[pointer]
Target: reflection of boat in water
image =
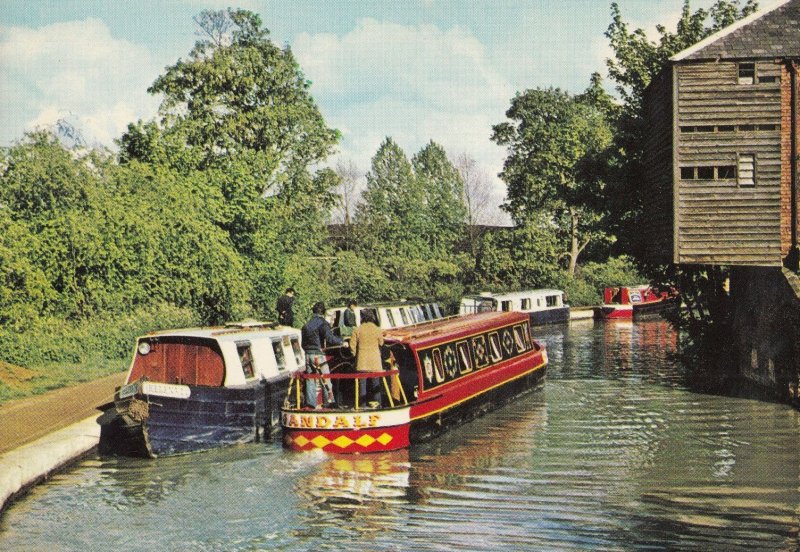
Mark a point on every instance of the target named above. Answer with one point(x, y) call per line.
point(201, 388)
point(357, 479)
point(443, 374)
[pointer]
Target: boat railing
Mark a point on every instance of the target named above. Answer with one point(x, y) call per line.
point(390, 380)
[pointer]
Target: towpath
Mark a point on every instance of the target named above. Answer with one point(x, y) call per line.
point(25, 420)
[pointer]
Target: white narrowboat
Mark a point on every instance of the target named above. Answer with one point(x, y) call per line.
point(544, 306)
point(388, 315)
point(201, 388)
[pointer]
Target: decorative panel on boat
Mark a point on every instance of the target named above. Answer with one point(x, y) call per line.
point(181, 360)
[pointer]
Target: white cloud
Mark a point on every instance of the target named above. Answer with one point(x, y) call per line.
point(73, 67)
point(413, 83)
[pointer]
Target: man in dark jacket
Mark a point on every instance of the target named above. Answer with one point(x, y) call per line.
point(316, 335)
point(284, 308)
point(349, 319)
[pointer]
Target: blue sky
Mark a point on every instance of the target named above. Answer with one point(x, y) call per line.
point(416, 71)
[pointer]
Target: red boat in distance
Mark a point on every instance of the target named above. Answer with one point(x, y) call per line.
point(635, 302)
point(436, 376)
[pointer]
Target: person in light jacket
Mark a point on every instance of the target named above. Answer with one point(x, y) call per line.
point(366, 344)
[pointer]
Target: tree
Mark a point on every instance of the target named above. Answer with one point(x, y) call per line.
point(555, 167)
point(477, 200)
point(347, 191)
point(237, 92)
point(444, 204)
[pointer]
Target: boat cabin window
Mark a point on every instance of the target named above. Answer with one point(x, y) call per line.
point(436, 312)
point(413, 313)
point(246, 358)
point(280, 357)
point(494, 347)
point(552, 300)
point(505, 306)
point(404, 316)
point(526, 304)
point(298, 351)
point(390, 318)
point(538, 301)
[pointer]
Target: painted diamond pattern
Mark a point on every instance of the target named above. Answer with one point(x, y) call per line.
point(365, 440)
point(343, 442)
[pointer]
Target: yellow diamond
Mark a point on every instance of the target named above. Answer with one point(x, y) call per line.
point(343, 442)
point(384, 439)
point(365, 440)
point(302, 441)
point(319, 441)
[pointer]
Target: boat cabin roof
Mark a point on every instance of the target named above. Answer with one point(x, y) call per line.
point(514, 294)
point(449, 329)
point(230, 332)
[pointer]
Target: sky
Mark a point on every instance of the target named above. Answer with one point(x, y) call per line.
point(441, 70)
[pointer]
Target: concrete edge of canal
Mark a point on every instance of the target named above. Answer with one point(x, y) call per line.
point(24, 467)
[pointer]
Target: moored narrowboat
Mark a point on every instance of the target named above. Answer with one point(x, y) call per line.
point(544, 306)
point(388, 315)
point(635, 302)
point(201, 388)
point(436, 376)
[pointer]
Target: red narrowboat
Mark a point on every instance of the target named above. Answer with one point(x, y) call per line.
point(635, 302)
point(437, 375)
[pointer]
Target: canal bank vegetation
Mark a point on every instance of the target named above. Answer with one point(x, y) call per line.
point(208, 212)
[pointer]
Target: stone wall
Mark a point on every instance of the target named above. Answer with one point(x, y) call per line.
point(765, 305)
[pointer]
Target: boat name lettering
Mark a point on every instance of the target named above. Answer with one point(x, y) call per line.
point(166, 390)
point(326, 421)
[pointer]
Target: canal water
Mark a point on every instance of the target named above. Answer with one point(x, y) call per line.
point(615, 453)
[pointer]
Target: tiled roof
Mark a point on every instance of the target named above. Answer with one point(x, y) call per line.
point(769, 33)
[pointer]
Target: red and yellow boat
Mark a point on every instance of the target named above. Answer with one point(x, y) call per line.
point(439, 375)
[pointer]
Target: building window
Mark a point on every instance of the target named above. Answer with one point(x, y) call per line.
point(705, 173)
point(747, 169)
point(767, 79)
point(747, 73)
point(726, 172)
point(719, 172)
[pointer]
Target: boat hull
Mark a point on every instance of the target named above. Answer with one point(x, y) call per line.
point(160, 419)
point(637, 311)
point(550, 316)
point(387, 429)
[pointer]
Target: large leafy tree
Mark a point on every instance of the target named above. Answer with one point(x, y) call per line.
point(237, 91)
point(238, 115)
point(444, 203)
point(557, 145)
point(409, 220)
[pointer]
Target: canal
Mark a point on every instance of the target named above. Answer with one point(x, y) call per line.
point(616, 453)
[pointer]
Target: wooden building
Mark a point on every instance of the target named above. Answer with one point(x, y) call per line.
point(721, 150)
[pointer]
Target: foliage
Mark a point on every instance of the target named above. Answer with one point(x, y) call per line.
point(411, 218)
point(586, 287)
point(557, 146)
point(523, 257)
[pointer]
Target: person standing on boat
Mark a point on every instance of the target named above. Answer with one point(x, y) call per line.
point(366, 344)
point(349, 319)
point(315, 335)
point(284, 308)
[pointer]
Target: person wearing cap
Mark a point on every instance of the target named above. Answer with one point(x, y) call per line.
point(284, 308)
point(315, 335)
